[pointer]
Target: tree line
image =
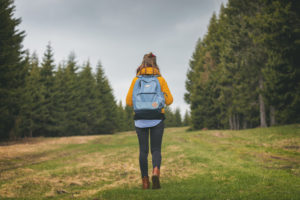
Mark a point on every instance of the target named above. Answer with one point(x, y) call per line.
point(62, 100)
point(40, 98)
point(245, 71)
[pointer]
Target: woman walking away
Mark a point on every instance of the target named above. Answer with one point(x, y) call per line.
point(148, 94)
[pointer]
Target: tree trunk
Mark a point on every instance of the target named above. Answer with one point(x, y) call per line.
point(262, 109)
point(230, 122)
point(237, 122)
point(233, 122)
point(244, 124)
point(12, 135)
point(272, 116)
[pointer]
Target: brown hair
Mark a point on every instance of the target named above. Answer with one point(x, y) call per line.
point(149, 60)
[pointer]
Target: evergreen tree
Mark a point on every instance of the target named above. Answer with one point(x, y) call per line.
point(59, 101)
point(177, 116)
point(26, 65)
point(191, 74)
point(47, 69)
point(109, 104)
point(86, 121)
point(281, 82)
point(170, 120)
point(37, 100)
point(186, 119)
point(47, 80)
point(129, 118)
point(246, 66)
point(239, 82)
point(33, 97)
point(71, 103)
point(12, 72)
point(121, 118)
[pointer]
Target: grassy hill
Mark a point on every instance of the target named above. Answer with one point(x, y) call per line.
point(262, 163)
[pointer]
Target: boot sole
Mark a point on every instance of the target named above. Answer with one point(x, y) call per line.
point(155, 182)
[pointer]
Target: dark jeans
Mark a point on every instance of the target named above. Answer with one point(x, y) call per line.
point(156, 134)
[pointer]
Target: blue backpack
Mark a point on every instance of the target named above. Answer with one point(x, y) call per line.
point(147, 94)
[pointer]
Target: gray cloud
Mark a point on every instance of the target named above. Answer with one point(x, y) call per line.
point(119, 33)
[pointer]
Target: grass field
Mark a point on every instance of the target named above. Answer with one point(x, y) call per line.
point(261, 163)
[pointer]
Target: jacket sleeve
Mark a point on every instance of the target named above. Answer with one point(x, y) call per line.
point(166, 91)
point(130, 91)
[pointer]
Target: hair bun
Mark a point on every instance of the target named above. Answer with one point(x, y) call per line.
point(151, 54)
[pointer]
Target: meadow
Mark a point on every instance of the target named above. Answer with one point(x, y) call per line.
point(260, 163)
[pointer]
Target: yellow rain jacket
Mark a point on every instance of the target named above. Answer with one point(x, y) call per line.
point(163, 85)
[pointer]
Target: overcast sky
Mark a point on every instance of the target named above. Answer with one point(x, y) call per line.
point(118, 33)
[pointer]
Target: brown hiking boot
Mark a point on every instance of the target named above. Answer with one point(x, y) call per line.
point(155, 178)
point(146, 182)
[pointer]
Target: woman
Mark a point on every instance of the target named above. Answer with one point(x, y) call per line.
point(154, 124)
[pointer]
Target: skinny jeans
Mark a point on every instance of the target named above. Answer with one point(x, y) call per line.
point(156, 134)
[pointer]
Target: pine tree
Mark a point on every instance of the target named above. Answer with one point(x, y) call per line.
point(33, 97)
point(121, 117)
point(47, 79)
point(71, 103)
point(18, 129)
point(170, 120)
point(186, 119)
point(59, 103)
point(246, 66)
point(87, 107)
point(203, 78)
point(26, 65)
point(129, 118)
point(109, 104)
point(191, 74)
point(281, 85)
point(177, 116)
point(47, 69)
point(12, 72)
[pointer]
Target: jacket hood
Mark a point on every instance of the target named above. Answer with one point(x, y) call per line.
point(149, 70)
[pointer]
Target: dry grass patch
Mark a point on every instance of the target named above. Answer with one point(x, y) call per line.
point(99, 168)
point(219, 134)
point(178, 129)
point(291, 144)
point(174, 148)
point(40, 144)
point(271, 161)
point(174, 167)
point(105, 169)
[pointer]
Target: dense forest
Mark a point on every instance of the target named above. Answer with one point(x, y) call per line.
point(40, 98)
point(245, 71)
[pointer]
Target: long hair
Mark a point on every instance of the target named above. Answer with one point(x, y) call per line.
point(149, 60)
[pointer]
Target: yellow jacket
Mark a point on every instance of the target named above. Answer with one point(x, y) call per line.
point(163, 85)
